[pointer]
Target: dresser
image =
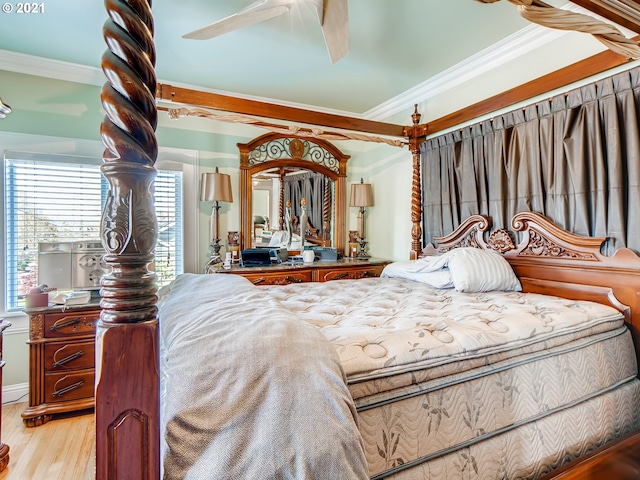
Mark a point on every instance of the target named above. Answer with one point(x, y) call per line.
point(61, 361)
point(320, 271)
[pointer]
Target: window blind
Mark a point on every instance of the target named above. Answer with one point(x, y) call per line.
point(48, 199)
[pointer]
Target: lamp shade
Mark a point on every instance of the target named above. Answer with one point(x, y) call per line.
point(215, 187)
point(361, 195)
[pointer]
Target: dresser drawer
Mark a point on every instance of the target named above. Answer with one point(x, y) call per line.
point(349, 274)
point(67, 324)
point(63, 387)
point(60, 356)
point(281, 278)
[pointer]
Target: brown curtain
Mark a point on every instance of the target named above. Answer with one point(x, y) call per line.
point(574, 158)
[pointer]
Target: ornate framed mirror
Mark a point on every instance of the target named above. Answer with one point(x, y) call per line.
point(276, 159)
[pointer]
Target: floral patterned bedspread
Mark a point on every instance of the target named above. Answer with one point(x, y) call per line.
point(388, 326)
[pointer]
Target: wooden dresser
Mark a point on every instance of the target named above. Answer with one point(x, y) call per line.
point(320, 271)
point(61, 361)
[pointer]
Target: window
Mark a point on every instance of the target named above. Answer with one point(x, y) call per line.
point(53, 198)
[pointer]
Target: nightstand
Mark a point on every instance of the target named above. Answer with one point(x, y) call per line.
point(61, 361)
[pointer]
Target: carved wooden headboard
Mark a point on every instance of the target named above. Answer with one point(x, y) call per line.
point(552, 261)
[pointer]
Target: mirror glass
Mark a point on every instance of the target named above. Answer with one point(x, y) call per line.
point(262, 210)
point(272, 192)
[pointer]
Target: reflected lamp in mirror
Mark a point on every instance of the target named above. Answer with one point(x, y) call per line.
point(215, 187)
point(361, 197)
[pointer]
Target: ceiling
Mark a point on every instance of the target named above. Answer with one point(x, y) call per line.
point(401, 51)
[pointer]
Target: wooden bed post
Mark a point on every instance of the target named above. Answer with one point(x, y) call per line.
point(326, 213)
point(127, 372)
point(416, 134)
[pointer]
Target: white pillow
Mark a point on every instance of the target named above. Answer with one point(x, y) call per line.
point(477, 270)
point(412, 270)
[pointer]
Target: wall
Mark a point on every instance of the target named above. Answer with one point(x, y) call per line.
point(54, 116)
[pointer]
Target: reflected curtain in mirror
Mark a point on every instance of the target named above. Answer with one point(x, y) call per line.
point(310, 186)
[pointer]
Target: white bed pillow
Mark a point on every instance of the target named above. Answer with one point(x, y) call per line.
point(477, 270)
point(414, 270)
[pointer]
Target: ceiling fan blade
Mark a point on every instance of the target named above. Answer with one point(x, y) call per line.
point(335, 28)
point(254, 13)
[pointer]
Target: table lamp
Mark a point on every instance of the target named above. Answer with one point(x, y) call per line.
point(361, 196)
point(215, 187)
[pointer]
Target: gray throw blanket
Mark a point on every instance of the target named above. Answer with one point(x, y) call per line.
point(249, 391)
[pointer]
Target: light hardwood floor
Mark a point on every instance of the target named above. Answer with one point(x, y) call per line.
point(62, 449)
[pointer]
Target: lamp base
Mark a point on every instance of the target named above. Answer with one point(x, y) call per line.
point(362, 246)
point(215, 260)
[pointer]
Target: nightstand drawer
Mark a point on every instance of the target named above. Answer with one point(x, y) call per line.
point(67, 324)
point(62, 387)
point(59, 356)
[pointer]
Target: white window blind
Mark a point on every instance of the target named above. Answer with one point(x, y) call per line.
point(168, 204)
point(52, 199)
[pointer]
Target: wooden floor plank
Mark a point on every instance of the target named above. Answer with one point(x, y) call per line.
point(61, 449)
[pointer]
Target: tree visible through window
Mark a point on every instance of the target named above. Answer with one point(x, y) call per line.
point(48, 200)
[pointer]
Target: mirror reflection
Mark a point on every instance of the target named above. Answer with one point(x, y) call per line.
point(288, 201)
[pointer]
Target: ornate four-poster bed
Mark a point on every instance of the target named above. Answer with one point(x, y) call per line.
point(546, 260)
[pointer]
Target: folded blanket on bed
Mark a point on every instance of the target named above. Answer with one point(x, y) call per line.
point(248, 391)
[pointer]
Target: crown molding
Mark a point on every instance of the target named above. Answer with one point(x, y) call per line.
point(50, 68)
point(520, 43)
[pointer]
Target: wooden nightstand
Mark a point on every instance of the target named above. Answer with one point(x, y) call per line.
point(61, 361)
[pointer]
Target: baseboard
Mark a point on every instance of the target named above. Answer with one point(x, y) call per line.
point(15, 393)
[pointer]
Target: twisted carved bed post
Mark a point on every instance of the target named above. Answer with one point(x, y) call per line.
point(127, 374)
point(416, 134)
point(326, 213)
point(281, 200)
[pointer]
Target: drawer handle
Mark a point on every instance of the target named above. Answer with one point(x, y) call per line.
point(71, 357)
point(367, 273)
point(340, 275)
point(258, 281)
point(292, 279)
point(71, 387)
point(67, 323)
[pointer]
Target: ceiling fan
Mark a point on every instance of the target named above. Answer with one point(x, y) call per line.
point(332, 15)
